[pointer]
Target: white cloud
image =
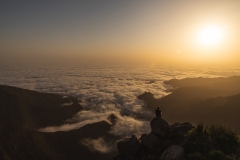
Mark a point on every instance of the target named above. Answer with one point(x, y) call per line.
point(99, 145)
point(68, 127)
point(104, 90)
point(127, 126)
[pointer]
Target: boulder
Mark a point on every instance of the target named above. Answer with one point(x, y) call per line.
point(159, 126)
point(177, 132)
point(129, 147)
point(151, 141)
point(174, 152)
point(166, 143)
point(181, 127)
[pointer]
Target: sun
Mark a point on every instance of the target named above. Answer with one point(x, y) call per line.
point(210, 35)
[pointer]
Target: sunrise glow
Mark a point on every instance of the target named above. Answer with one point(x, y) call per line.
point(210, 35)
point(121, 32)
point(120, 79)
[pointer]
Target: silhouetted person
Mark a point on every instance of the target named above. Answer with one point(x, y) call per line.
point(158, 112)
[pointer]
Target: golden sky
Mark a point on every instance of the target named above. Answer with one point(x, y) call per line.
point(168, 31)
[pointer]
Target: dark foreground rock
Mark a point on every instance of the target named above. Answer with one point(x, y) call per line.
point(129, 147)
point(182, 141)
point(181, 127)
point(151, 141)
point(159, 126)
point(174, 152)
point(163, 142)
point(177, 132)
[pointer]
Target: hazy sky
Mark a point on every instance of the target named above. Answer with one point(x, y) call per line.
point(164, 31)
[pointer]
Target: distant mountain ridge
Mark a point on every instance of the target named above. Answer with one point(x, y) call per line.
point(208, 101)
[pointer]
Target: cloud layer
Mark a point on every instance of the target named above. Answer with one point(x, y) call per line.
point(99, 145)
point(104, 91)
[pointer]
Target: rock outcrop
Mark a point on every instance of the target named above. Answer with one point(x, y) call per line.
point(174, 152)
point(159, 126)
point(151, 141)
point(163, 142)
point(181, 127)
point(129, 147)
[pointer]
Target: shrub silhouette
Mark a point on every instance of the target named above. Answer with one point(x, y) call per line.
point(220, 156)
point(226, 140)
point(211, 143)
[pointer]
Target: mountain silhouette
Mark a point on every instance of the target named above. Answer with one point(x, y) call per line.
point(23, 111)
point(34, 109)
point(206, 100)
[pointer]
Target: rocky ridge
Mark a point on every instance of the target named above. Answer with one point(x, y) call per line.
point(164, 142)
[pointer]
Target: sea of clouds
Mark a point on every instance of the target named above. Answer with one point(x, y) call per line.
point(105, 90)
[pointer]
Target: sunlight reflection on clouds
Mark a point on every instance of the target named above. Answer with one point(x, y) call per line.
point(105, 90)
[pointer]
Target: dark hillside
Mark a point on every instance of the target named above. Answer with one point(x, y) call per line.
point(33, 109)
point(230, 84)
point(220, 110)
point(70, 146)
point(23, 111)
point(200, 100)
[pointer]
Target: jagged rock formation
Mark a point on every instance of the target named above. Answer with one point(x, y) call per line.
point(164, 142)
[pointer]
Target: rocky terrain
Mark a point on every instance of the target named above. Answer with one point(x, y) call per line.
point(180, 141)
point(164, 142)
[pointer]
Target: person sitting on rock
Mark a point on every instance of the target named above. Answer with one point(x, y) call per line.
point(158, 112)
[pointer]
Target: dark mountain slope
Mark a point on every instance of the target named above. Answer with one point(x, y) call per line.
point(29, 144)
point(22, 111)
point(33, 109)
point(211, 101)
point(219, 110)
point(182, 96)
point(70, 146)
point(230, 84)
